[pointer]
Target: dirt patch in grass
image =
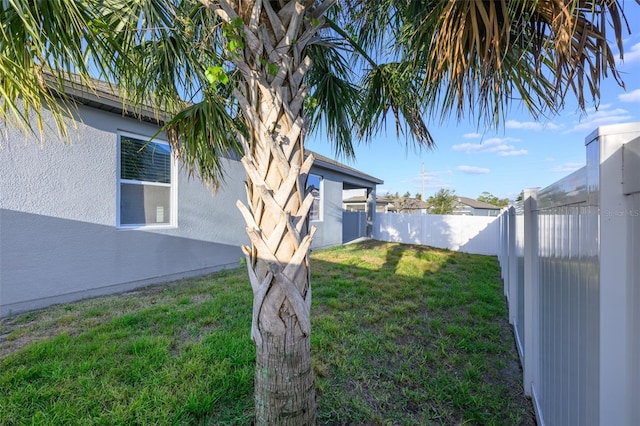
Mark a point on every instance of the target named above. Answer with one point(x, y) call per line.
point(18, 331)
point(511, 376)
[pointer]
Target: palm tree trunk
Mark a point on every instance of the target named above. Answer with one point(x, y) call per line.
point(284, 386)
point(278, 267)
point(273, 66)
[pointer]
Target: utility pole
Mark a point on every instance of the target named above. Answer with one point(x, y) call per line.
point(423, 196)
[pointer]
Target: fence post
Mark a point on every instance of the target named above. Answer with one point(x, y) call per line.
point(531, 293)
point(504, 250)
point(512, 277)
point(614, 362)
point(370, 211)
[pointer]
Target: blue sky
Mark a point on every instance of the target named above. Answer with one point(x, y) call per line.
point(522, 154)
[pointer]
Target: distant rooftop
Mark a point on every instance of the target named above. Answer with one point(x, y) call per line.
point(413, 203)
point(477, 204)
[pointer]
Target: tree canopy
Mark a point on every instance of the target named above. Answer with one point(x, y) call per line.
point(487, 197)
point(442, 202)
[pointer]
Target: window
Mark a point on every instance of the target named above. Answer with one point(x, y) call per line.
point(314, 185)
point(145, 183)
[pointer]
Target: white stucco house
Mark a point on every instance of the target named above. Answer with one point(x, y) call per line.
point(96, 214)
point(470, 207)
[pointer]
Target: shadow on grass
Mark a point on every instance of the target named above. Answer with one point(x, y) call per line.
point(413, 335)
point(400, 335)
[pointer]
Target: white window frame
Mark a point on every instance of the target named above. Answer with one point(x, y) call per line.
point(320, 200)
point(173, 187)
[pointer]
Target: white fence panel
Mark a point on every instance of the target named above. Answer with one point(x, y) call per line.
point(634, 297)
point(469, 234)
point(572, 262)
point(631, 188)
point(515, 276)
point(568, 291)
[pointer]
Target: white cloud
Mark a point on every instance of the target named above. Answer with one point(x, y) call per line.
point(632, 97)
point(472, 170)
point(566, 167)
point(632, 55)
point(432, 179)
point(493, 145)
point(601, 117)
point(429, 176)
point(513, 153)
point(472, 136)
point(530, 125)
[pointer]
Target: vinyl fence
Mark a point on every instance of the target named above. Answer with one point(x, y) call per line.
point(570, 256)
point(469, 234)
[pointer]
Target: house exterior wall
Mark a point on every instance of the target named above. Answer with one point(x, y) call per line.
point(486, 212)
point(463, 209)
point(329, 227)
point(58, 205)
point(59, 239)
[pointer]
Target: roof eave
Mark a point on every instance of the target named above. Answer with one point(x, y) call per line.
point(327, 163)
point(103, 96)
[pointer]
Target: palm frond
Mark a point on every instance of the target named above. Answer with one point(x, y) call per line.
point(478, 57)
point(167, 47)
point(359, 109)
point(154, 53)
point(390, 88)
point(204, 134)
point(333, 102)
point(371, 23)
point(43, 37)
point(574, 38)
point(170, 46)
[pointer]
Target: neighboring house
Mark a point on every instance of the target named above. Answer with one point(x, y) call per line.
point(411, 205)
point(358, 203)
point(386, 205)
point(469, 206)
point(106, 211)
point(464, 206)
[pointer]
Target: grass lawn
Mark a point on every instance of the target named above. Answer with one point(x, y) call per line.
point(401, 335)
